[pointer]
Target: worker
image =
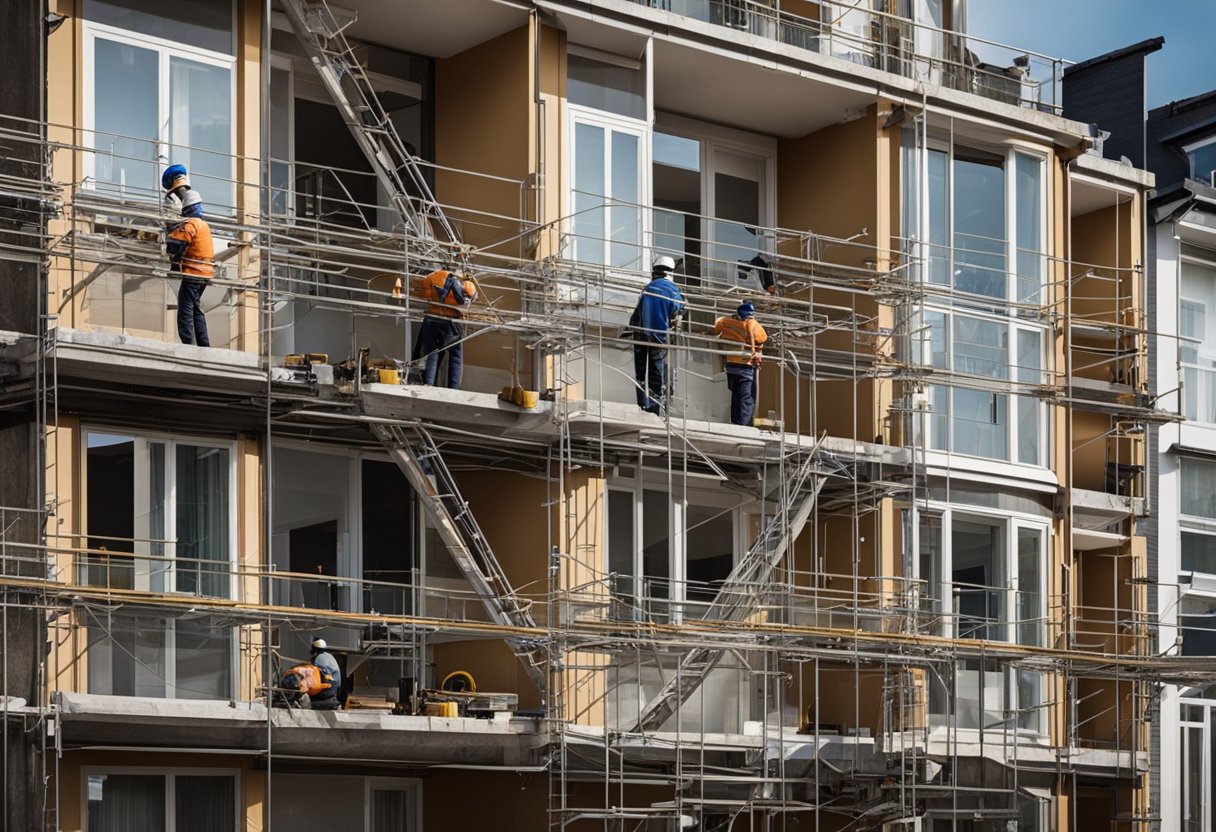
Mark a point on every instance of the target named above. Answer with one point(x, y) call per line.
point(327, 699)
point(657, 311)
point(441, 333)
point(176, 182)
point(744, 338)
point(191, 253)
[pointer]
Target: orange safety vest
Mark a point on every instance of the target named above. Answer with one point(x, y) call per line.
point(746, 338)
point(438, 303)
point(311, 679)
point(200, 250)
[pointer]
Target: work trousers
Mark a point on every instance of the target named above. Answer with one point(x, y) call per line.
point(436, 338)
point(650, 370)
point(741, 380)
point(191, 322)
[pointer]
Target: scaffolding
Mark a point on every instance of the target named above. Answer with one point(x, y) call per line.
point(868, 692)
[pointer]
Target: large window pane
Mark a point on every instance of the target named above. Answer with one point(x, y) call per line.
point(607, 87)
point(280, 106)
point(126, 656)
point(656, 548)
point(110, 499)
point(938, 232)
point(1030, 595)
point(589, 193)
point(979, 223)
point(980, 347)
point(203, 24)
point(978, 577)
point(126, 803)
point(621, 543)
point(204, 803)
point(980, 423)
point(200, 127)
point(125, 103)
point(1029, 195)
point(203, 660)
point(1029, 371)
point(1199, 488)
point(710, 546)
point(389, 558)
point(626, 211)
point(202, 512)
point(1199, 552)
point(736, 220)
point(1198, 341)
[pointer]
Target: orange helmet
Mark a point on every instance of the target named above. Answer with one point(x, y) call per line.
point(470, 289)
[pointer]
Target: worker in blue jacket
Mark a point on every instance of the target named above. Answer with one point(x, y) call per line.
point(659, 305)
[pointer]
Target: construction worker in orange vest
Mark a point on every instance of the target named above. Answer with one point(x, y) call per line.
point(744, 339)
point(191, 253)
point(441, 333)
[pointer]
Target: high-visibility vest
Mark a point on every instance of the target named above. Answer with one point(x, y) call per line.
point(444, 305)
point(745, 339)
point(200, 250)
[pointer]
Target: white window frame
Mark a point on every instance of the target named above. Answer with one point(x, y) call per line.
point(170, 792)
point(943, 591)
point(610, 123)
point(169, 630)
point(350, 539)
point(170, 441)
point(412, 786)
point(1188, 149)
point(1206, 348)
point(1205, 822)
point(741, 513)
point(165, 50)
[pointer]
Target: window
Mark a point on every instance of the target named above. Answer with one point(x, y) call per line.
point(1202, 156)
point(608, 158)
point(351, 803)
point(1197, 619)
point(962, 225)
point(983, 577)
point(1198, 740)
point(146, 800)
point(607, 190)
point(1197, 331)
point(669, 557)
point(341, 517)
point(149, 101)
point(1198, 510)
point(135, 654)
point(978, 422)
point(166, 502)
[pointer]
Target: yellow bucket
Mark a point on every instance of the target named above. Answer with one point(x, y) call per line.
point(389, 377)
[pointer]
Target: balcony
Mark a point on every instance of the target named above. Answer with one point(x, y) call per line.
point(919, 51)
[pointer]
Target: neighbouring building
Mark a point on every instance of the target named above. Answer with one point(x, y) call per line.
point(916, 594)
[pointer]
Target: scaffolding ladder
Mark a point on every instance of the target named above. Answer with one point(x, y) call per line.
point(344, 77)
point(413, 449)
point(742, 591)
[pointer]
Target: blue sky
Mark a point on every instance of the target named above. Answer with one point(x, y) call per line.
point(1080, 29)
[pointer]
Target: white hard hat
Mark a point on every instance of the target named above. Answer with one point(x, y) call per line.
point(319, 644)
point(191, 197)
point(664, 263)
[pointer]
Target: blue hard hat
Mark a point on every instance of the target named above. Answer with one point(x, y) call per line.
point(174, 176)
point(746, 310)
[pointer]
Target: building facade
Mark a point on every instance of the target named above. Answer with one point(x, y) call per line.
point(915, 595)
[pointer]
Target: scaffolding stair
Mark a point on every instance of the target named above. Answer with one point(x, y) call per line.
point(742, 591)
point(413, 449)
point(348, 84)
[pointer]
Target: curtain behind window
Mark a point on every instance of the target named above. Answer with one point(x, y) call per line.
point(202, 520)
point(126, 803)
point(390, 810)
point(205, 803)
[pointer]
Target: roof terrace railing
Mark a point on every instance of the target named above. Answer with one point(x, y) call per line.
point(929, 54)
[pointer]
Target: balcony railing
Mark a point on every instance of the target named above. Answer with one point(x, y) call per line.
point(928, 54)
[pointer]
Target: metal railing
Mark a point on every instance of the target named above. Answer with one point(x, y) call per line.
point(859, 34)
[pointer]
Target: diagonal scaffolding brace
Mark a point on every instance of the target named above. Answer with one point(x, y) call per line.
point(414, 451)
point(742, 592)
point(344, 77)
